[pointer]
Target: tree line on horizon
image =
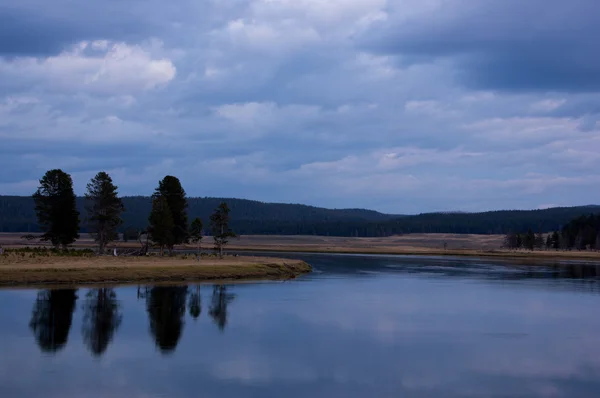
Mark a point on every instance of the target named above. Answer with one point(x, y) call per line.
point(581, 233)
point(167, 222)
point(257, 218)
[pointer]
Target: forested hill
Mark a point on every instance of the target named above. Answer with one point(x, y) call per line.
point(252, 217)
point(17, 214)
point(492, 222)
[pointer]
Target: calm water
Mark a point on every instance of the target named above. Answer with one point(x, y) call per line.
point(359, 326)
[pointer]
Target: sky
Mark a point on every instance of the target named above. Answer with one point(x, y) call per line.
point(402, 106)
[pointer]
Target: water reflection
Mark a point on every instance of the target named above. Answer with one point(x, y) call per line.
point(166, 306)
point(166, 309)
point(195, 303)
point(361, 266)
point(51, 318)
point(101, 318)
point(410, 327)
point(219, 302)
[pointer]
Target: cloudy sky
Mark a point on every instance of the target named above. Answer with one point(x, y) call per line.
point(402, 106)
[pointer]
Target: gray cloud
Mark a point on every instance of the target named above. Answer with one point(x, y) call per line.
point(34, 28)
point(506, 45)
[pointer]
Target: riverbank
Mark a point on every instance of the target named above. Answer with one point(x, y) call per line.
point(418, 251)
point(26, 270)
point(411, 244)
point(455, 245)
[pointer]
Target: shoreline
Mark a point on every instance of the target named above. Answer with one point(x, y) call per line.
point(27, 271)
point(447, 245)
point(533, 255)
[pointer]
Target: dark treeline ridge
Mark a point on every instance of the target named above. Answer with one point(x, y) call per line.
point(581, 233)
point(252, 217)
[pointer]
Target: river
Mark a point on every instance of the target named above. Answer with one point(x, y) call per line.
point(358, 326)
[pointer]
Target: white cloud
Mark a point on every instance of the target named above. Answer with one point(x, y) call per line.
point(20, 119)
point(266, 39)
point(547, 105)
point(110, 68)
point(332, 13)
point(521, 130)
point(262, 118)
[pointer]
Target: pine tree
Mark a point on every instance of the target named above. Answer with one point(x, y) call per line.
point(511, 241)
point(55, 208)
point(196, 233)
point(219, 222)
point(161, 224)
point(170, 188)
point(104, 209)
point(548, 242)
point(539, 241)
point(529, 240)
point(563, 241)
point(519, 241)
point(579, 243)
point(555, 240)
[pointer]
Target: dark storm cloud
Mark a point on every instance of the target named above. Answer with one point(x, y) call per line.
point(510, 44)
point(22, 34)
point(31, 27)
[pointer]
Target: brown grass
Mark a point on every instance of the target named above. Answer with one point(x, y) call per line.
point(17, 270)
point(412, 244)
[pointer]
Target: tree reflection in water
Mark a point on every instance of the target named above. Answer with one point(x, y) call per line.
point(219, 302)
point(195, 303)
point(51, 318)
point(101, 318)
point(166, 310)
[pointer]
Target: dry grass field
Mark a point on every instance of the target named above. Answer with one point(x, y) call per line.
point(412, 241)
point(21, 269)
point(412, 244)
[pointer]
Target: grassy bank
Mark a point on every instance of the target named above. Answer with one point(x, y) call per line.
point(418, 251)
point(410, 244)
point(25, 269)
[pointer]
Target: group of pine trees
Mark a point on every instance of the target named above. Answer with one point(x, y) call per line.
point(582, 233)
point(59, 219)
point(528, 241)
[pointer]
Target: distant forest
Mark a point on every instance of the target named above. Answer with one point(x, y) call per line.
point(251, 217)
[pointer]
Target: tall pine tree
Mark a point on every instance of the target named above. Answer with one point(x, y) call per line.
point(104, 208)
point(219, 222)
point(196, 233)
point(56, 209)
point(171, 190)
point(161, 224)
